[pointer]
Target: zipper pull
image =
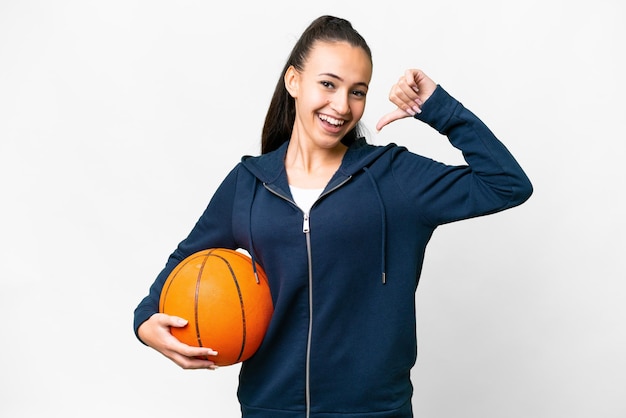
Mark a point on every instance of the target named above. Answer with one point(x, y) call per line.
point(305, 224)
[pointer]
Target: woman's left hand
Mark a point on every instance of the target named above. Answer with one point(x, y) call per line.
point(408, 94)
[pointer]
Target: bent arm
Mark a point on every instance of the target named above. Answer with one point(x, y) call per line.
point(491, 181)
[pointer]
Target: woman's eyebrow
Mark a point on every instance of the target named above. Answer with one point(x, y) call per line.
point(335, 76)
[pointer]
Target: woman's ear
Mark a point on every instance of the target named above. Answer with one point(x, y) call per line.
point(292, 79)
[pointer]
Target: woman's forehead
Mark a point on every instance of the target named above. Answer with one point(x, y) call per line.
point(341, 59)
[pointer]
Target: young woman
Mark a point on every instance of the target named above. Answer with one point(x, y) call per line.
point(340, 227)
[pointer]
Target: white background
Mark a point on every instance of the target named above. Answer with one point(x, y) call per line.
point(118, 119)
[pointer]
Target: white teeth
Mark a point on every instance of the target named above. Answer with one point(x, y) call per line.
point(331, 120)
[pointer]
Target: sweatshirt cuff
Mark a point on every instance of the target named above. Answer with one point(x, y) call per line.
point(140, 318)
point(438, 109)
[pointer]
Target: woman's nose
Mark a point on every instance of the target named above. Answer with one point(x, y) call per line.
point(340, 104)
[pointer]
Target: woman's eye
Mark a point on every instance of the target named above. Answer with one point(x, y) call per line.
point(359, 93)
point(327, 84)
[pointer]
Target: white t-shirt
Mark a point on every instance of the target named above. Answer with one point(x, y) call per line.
point(305, 198)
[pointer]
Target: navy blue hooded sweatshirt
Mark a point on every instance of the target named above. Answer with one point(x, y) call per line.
point(342, 339)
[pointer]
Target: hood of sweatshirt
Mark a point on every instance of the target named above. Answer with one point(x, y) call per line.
point(269, 168)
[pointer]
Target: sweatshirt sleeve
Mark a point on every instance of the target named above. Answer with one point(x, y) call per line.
point(213, 229)
point(491, 181)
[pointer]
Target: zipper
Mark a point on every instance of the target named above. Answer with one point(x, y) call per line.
point(344, 181)
point(306, 230)
point(286, 198)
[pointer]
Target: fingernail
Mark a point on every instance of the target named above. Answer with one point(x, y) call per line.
point(410, 111)
point(417, 109)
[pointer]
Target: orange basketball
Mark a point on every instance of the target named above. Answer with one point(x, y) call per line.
point(217, 291)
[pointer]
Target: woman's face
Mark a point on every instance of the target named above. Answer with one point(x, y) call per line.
point(329, 92)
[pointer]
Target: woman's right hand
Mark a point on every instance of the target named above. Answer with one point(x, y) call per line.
point(155, 332)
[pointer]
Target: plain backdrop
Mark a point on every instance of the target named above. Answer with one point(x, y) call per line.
point(118, 119)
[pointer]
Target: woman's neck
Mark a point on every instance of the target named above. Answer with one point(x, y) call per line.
point(312, 167)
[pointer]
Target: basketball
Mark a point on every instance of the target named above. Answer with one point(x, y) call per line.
point(227, 310)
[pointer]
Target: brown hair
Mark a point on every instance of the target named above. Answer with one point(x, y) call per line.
point(282, 109)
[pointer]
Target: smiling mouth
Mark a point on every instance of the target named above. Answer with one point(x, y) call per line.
point(332, 121)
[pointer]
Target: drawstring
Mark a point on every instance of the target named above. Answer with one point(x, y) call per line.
point(383, 225)
point(254, 269)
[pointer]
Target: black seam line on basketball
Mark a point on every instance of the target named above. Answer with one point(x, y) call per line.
point(243, 312)
point(170, 282)
point(196, 297)
point(164, 297)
